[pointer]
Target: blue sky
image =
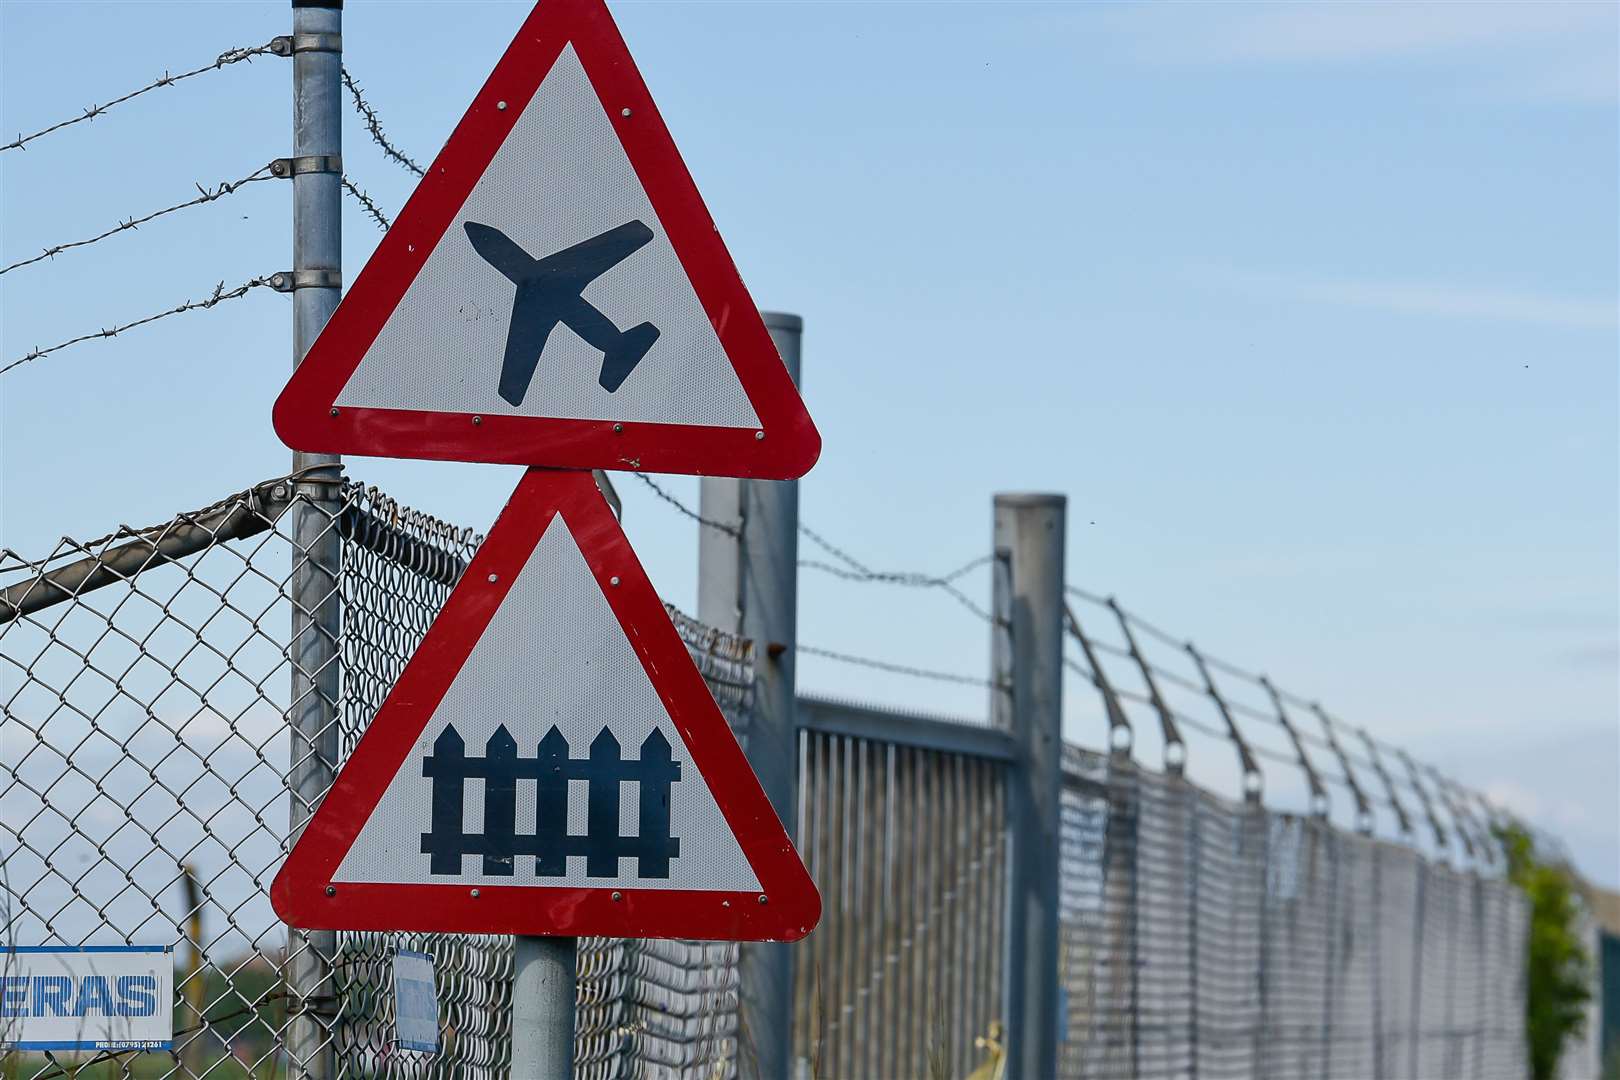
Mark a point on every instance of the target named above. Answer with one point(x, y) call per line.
point(1310, 311)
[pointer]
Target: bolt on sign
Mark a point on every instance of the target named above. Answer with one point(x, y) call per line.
point(550, 762)
point(554, 293)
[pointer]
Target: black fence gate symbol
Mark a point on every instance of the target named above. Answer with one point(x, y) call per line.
point(551, 769)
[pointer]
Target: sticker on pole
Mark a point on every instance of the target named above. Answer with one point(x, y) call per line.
point(416, 1002)
point(550, 762)
point(554, 293)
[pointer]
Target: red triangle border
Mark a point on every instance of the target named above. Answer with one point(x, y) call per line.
point(784, 446)
point(787, 906)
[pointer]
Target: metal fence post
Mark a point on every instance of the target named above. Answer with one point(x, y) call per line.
point(543, 997)
point(317, 555)
point(748, 584)
point(1028, 658)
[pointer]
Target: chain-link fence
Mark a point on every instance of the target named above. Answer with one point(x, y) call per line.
point(1207, 938)
point(146, 680)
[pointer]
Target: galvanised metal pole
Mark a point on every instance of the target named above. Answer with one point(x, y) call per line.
point(748, 584)
point(543, 993)
point(317, 265)
point(1027, 655)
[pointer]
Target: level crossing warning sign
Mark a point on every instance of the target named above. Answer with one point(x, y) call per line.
point(550, 762)
point(554, 293)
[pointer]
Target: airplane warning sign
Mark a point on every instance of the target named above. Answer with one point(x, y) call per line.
point(554, 293)
point(550, 762)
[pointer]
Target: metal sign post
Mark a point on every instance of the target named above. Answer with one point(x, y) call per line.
point(317, 555)
point(543, 994)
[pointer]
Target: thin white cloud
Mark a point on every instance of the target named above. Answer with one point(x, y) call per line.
point(1559, 811)
point(1422, 298)
point(1540, 50)
point(1358, 31)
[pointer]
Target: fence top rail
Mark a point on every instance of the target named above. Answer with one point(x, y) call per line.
point(879, 724)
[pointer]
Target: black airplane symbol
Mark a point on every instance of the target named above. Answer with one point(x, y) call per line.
point(548, 293)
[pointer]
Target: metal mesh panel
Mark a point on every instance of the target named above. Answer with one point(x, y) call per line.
point(908, 848)
point(1211, 939)
point(146, 681)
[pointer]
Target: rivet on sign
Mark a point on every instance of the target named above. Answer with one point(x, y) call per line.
point(331, 890)
point(614, 581)
point(475, 894)
point(624, 112)
point(410, 247)
point(617, 428)
point(501, 105)
point(477, 420)
point(617, 895)
point(762, 898)
point(334, 412)
point(493, 578)
point(758, 435)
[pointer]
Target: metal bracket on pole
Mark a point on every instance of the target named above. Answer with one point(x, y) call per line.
point(1401, 816)
point(285, 281)
point(1364, 814)
point(1175, 748)
point(1319, 795)
point(1120, 736)
point(1462, 823)
point(288, 44)
point(1253, 782)
point(285, 167)
point(1486, 842)
point(1435, 824)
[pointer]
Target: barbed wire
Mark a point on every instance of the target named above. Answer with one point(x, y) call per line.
point(910, 579)
point(205, 195)
point(719, 526)
point(1331, 725)
point(366, 204)
point(374, 125)
point(897, 669)
point(225, 59)
point(219, 295)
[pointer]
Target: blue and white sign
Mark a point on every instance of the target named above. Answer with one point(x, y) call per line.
point(416, 1003)
point(88, 997)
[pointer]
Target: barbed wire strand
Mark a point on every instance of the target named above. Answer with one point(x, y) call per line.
point(205, 195)
point(1337, 726)
point(225, 59)
point(854, 570)
point(219, 295)
point(374, 125)
point(367, 204)
point(719, 526)
point(896, 669)
point(911, 579)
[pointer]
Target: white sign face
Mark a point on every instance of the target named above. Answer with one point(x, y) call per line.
point(416, 1002)
point(555, 292)
point(550, 760)
point(111, 997)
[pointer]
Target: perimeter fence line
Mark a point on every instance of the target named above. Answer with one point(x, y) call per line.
point(969, 879)
point(146, 741)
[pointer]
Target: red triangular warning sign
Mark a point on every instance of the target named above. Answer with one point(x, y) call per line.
point(554, 293)
point(550, 762)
